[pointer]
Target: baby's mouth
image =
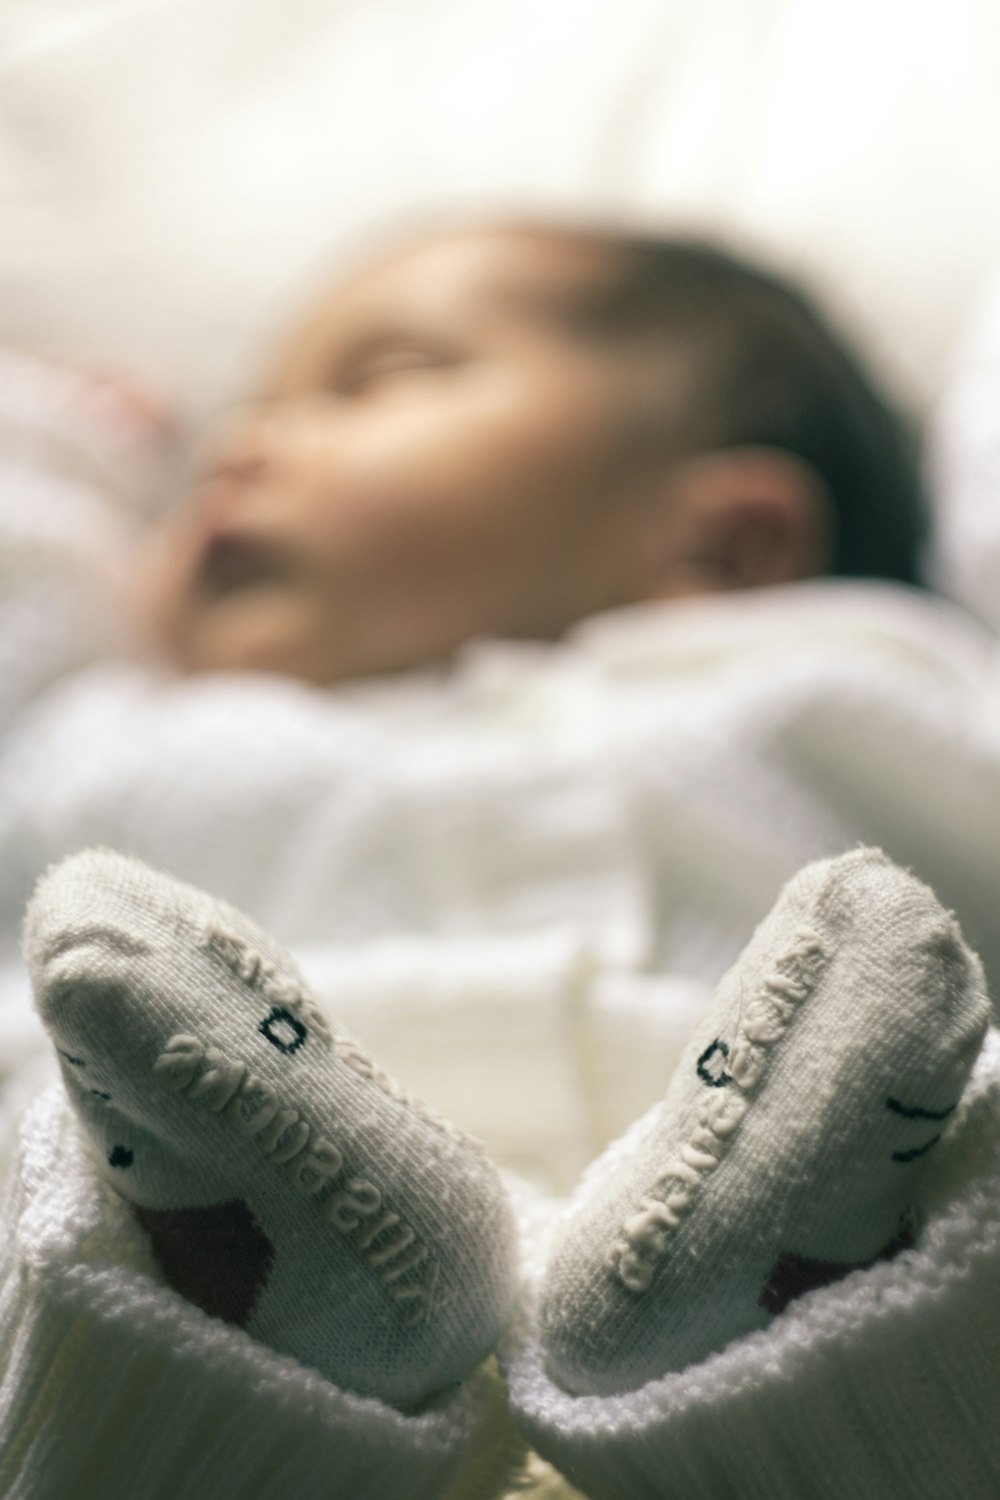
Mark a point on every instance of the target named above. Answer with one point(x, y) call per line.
point(232, 561)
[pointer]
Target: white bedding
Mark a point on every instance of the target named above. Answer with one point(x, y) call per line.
point(172, 171)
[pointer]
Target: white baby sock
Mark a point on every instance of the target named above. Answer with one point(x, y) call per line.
point(789, 1148)
point(286, 1184)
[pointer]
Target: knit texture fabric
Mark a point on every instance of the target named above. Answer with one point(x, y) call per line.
point(286, 1184)
point(791, 1144)
point(882, 1386)
point(113, 1385)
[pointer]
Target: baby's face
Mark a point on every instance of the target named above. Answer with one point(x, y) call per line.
point(438, 455)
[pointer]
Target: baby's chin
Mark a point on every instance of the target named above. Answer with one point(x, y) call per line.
point(188, 636)
point(275, 628)
point(193, 640)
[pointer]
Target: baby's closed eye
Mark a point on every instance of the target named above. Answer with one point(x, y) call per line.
point(372, 371)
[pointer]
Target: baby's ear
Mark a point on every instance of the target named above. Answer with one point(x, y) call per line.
point(737, 518)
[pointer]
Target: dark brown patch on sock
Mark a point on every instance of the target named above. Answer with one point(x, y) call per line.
point(794, 1275)
point(218, 1257)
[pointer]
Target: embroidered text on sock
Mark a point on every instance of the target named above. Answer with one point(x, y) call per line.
point(789, 1147)
point(644, 1235)
point(372, 1240)
point(229, 1089)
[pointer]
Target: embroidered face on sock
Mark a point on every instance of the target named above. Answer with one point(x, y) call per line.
point(284, 1181)
point(146, 1092)
point(645, 1236)
point(730, 1074)
point(791, 1141)
point(115, 986)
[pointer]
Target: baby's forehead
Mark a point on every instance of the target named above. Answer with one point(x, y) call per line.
point(441, 281)
point(489, 263)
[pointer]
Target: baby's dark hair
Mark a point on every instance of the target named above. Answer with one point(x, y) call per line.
point(763, 367)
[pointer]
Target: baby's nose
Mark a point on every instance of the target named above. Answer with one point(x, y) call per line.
point(245, 448)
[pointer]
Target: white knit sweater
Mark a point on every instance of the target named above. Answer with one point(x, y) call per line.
point(516, 881)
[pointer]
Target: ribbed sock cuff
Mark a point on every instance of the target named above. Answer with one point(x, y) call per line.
point(111, 1384)
point(881, 1386)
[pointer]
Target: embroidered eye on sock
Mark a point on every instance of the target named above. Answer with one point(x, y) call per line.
point(789, 1147)
point(286, 1183)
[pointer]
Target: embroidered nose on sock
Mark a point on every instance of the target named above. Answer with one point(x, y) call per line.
point(774, 1165)
point(287, 1184)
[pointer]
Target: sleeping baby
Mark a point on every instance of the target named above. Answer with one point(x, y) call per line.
point(548, 597)
point(500, 433)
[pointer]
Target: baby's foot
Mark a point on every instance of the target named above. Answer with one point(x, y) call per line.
point(286, 1183)
point(790, 1145)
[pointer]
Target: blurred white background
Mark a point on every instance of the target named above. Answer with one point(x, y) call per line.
point(174, 173)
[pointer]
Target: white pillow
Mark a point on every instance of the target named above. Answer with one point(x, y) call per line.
point(965, 469)
point(173, 173)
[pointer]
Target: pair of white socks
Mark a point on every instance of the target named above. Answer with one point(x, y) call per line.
point(286, 1186)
